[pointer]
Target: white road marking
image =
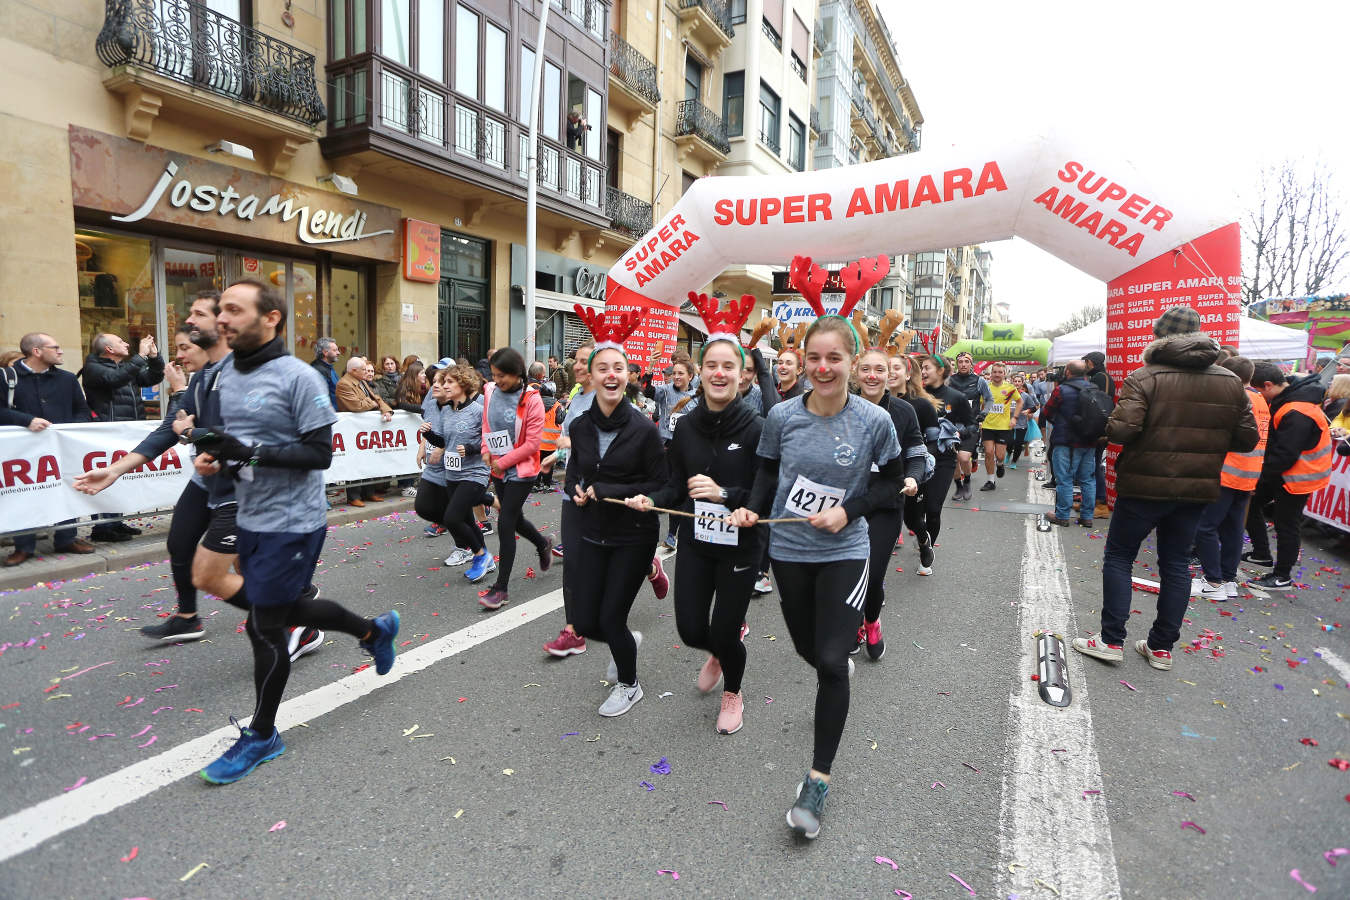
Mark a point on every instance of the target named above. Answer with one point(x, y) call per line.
point(1341, 666)
point(41, 822)
point(1045, 823)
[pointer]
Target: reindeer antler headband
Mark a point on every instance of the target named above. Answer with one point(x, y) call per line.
point(609, 329)
point(723, 323)
point(857, 278)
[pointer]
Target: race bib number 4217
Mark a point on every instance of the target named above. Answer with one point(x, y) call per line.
point(807, 497)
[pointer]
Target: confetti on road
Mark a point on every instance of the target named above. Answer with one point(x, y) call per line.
point(1130, 686)
point(1192, 826)
point(962, 883)
point(1183, 794)
point(1293, 873)
point(675, 876)
point(647, 784)
point(722, 803)
point(885, 861)
point(277, 827)
point(134, 850)
point(195, 869)
point(83, 779)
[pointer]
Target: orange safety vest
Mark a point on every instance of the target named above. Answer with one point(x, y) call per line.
point(1241, 471)
point(552, 430)
point(1312, 470)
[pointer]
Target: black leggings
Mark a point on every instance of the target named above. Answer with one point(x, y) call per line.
point(607, 582)
point(191, 516)
point(883, 529)
point(1018, 442)
point(822, 606)
point(916, 516)
point(451, 504)
point(512, 495)
point(569, 525)
point(697, 577)
point(934, 493)
point(267, 632)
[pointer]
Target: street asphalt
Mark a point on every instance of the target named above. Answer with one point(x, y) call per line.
point(488, 773)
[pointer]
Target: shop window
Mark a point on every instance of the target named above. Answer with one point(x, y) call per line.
point(116, 289)
point(186, 273)
point(347, 308)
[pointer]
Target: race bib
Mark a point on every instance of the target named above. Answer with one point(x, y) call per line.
point(808, 497)
point(675, 417)
point(996, 409)
point(714, 530)
point(453, 461)
point(499, 442)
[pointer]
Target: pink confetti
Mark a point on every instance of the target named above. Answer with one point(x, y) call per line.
point(165, 688)
point(1183, 794)
point(904, 895)
point(971, 768)
point(1130, 686)
point(884, 861)
point(1293, 873)
point(277, 827)
point(768, 700)
point(132, 855)
point(962, 883)
point(153, 738)
point(160, 710)
point(83, 779)
point(143, 731)
point(90, 669)
point(1192, 825)
point(1330, 855)
point(130, 705)
point(671, 872)
point(722, 803)
point(97, 736)
point(936, 785)
point(1086, 793)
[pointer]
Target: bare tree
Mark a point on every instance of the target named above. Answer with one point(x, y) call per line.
point(1296, 241)
point(1084, 316)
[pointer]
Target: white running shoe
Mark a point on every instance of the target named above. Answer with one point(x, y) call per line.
point(458, 557)
point(1230, 587)
point(764, 585)
point(622, 698)
point(612, 673)
point(1216, 592)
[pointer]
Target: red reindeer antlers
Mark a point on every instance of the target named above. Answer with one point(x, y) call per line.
point(930, 341)
point(857, 278)
point(809, 280)
point(609, 327)
point(723, 321)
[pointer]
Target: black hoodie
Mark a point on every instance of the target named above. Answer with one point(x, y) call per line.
point(1296, 431)
point(722, 446)
point(633, 464)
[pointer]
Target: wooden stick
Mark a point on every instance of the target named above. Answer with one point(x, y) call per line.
point(680, 512)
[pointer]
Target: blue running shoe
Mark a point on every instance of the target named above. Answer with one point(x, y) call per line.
point(381, 643)
point(249, 752)
point(480, 568)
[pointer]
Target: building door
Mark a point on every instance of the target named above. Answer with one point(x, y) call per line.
point(462, 315)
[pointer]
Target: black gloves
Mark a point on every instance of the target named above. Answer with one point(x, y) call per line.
point(220, 444)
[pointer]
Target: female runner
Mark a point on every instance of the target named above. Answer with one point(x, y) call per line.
point(954, 409)
point(916, 510)
point(457, 434)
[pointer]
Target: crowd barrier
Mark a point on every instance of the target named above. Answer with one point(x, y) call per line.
point(38, 469)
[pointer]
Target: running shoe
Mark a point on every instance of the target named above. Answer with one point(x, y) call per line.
point(622, 698)
point(432, 531)
point(850, 668)
point(567, 643)
point(709, 674)
point(1012, 465)
point(612, 672)
point(384, 628)
point(246, 754)
point(729, 719)
point(485, 526)
point(876, 645)
point(558, 550)
point(410, 492)
point(764, 585)
point(303, 640)
point(546, 555)
point(1098, 649)
point(745, 629)
point(176, 628)
point(988, 486)
point(481, 567)
point(1158, 659)
point(1251, 558)
point(669, 543)
point(493, 598)
point(999, 470)
point(926, 557)
point(1271, 582)
point(804, 817)
point(1231, 589)
point(660, 583)
point(858, 644)
point(1206, 591)
point(458, 557)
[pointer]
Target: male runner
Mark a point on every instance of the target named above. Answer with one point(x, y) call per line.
point(276, 438)
point(976, 391)
point(1000, 413)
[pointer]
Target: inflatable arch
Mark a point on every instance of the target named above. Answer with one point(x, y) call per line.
point(1152, 247)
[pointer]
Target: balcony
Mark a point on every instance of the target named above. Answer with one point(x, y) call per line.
point(818, 40)
point(815, 120)
point(632, 81)
point(628, 215)
point(708, 21)
point(180, 54)
point(768, 136)
point(379, 107)
point(587, 14)
point(700, 133)
point(772, 34)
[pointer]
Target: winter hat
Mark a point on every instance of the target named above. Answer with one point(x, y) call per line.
point(1177, 320)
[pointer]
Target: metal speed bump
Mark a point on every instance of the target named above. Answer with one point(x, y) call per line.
point(1053, 671)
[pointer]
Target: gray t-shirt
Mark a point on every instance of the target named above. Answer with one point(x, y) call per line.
point(754, 398)
point(667, 398)
point(580, 403)
point(276, 404)
point(463, 426)
point(501, 408)
point(823, 462)
point(432, 473)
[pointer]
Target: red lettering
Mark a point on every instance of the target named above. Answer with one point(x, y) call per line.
point(1112, 192)
point(745, 211)
point(926, 192)
point(769, 207)
point(1133, 206)
point(676, 221)
point(956, 179)
point(892, 198)
point(15, 471)
point(339, 445)
point(94, 460)
point(1112, 231)
point(1157, 216)
point(721, 214)
point(1132, 243)
point(858, 204)
point(991, 179)
point(665, 232)
point(818, 204)
point(1069, 174)
point(1091, 223)
point(792, 209)
point(1087, 177)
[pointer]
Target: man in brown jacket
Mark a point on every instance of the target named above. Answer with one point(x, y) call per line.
point(356, 394)
point(1178, 417)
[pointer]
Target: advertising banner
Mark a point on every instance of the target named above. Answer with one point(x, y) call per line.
point(1332, 504)
point(660, 326)
point(38, 468)
point(1003, 331)
point(1036, 350)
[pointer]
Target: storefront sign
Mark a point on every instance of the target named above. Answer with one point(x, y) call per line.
point(421, 251)
point(589, 283)
point(136, 182)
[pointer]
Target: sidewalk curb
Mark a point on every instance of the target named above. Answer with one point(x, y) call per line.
point(49, 571)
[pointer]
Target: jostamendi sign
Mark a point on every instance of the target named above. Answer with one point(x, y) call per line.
point(136, 182)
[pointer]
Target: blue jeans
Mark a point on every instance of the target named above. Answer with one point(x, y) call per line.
point(1131, 522)
point(1218, 540)
point(61, 539)
point(1073, 465)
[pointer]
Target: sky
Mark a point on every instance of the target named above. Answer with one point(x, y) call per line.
point(1206, 90)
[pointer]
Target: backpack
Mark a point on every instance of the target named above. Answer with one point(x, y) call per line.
point(1094, 409)
point(11, 379)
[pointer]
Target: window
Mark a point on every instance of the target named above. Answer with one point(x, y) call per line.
point(801, 46)
point(773, 22)
point(431, 38)
point(796, 143)
point(576, 113)
point(737, 12)
point(693, 78)
point(526, 81)
point(768, 118)
point(494, 68)
point(595, 113)
point(686, 182)
point(338, 16)
point(394, 30)
point(551, 97)
point(466, 52)
point(733, 103)
point(612, 143)
point(887, 298)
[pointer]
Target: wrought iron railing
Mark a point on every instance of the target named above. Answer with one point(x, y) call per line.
point(692, 117)
point(911, 136)
point(718, 10)
point(768, 136)
point(633, 69)
point(771, 33)
point(798, 66)
point(815, 120)
point(188, 42)
point(627, 213)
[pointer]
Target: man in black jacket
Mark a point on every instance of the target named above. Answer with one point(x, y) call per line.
point(1096, 373)
point(113, 379)
point(326, 353)
point(45, 395)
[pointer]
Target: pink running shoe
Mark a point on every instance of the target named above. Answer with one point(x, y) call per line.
point(709, 675)
point(567, 643)
point(660, 583)
point(729, 719)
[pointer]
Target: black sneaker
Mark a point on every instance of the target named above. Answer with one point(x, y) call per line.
point(988, 486)
point(1271, 582)
point(176, 628)
point(858, 645)
point(109, 536)
point(925, 553)
point(1000, 470)
point(303, 640)
point(1253, 559)
point(485, 526)
point(1049, 485)
point(127, 529)
point(804, 817)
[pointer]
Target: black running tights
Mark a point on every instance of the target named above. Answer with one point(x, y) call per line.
point(267, 632)
point(934, 492)
point(607, 583)
point(191, 517)
point(512, 496)
point(822, 606)
point(698, 577)
point(883, 529)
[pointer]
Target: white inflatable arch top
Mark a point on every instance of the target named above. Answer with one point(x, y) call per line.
point(1091, 209)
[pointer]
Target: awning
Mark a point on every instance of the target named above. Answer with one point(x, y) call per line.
point(564, 302)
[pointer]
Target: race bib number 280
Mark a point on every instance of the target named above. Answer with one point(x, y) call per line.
point(807, 497)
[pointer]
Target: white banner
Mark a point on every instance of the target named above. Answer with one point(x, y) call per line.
point(1332, 503)
point(38, 469)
